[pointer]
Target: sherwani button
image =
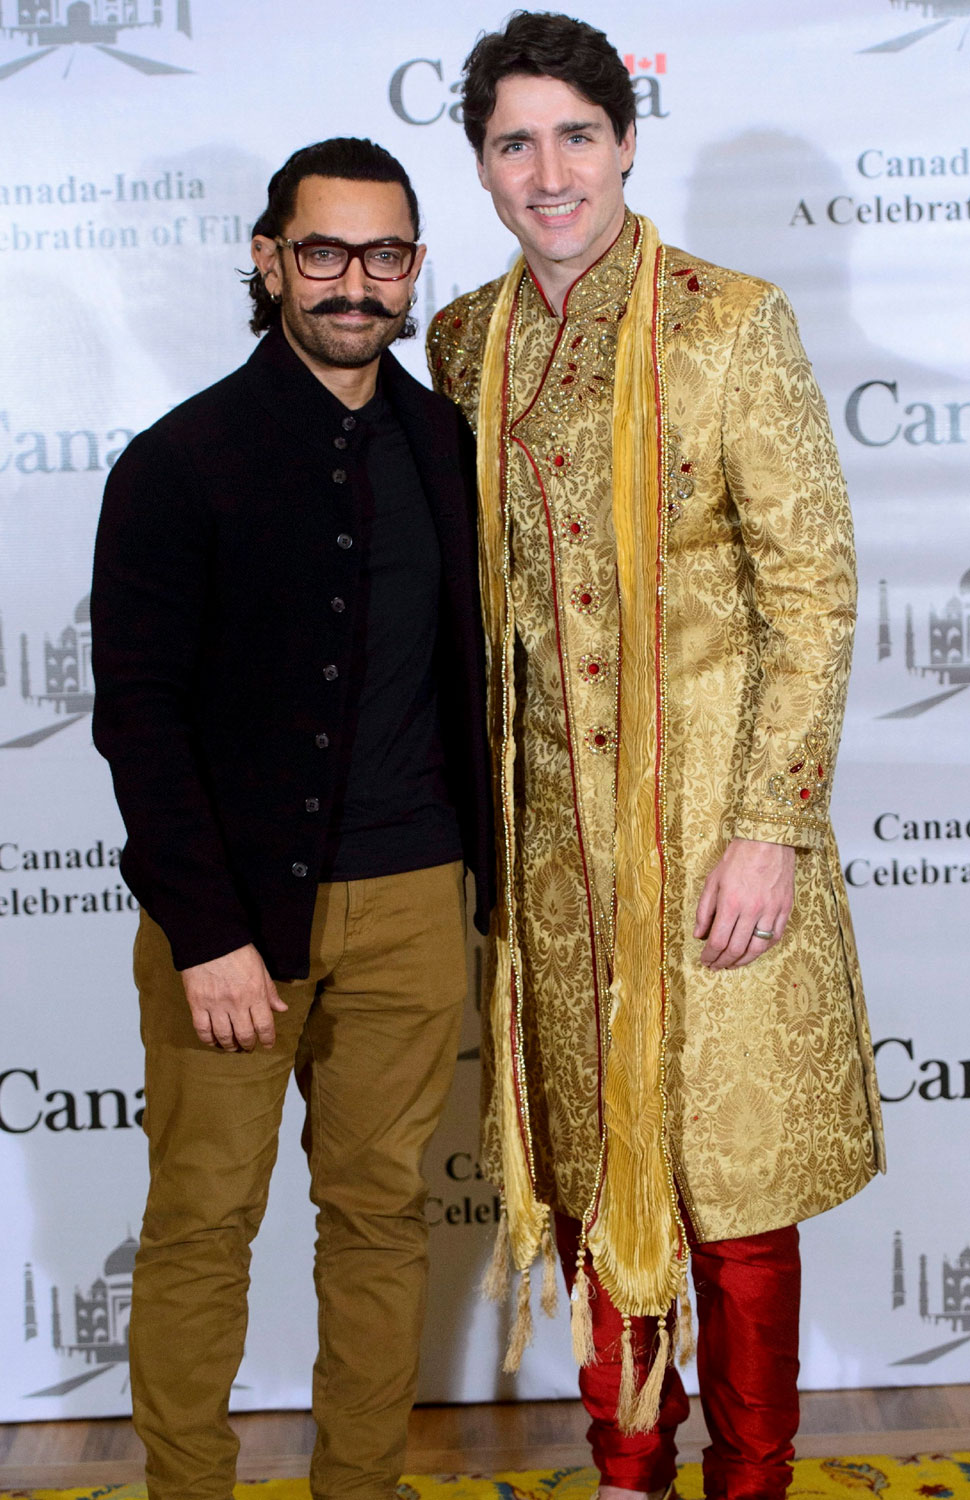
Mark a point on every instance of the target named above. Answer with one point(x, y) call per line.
point(312, 804)
point(340, 442)
point(339, 476)
point(349, 423)
point(330, 673)
point(299, 870)
point(337, 605)
point(322, 741)
point(345, 541)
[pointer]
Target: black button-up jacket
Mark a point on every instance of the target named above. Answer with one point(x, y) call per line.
point(226, 583)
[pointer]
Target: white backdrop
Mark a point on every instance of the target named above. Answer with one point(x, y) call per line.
point(827, 150)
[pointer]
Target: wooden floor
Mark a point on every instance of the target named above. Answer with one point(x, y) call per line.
point(484, 1439)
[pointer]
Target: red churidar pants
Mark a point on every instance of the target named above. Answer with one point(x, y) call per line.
point(747, 1298)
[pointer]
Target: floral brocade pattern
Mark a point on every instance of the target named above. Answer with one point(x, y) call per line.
point(566, 610)
point(771, 1097)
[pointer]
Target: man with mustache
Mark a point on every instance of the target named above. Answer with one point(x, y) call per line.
point(680, 1065)
point(290, 694)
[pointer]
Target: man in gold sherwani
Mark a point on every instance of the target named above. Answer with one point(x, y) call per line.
point(678, 1058)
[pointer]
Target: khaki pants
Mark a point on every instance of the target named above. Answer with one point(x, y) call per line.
point(372, 1035)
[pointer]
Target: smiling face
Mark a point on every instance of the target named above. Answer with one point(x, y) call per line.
point(555, 170)
point(346, 323)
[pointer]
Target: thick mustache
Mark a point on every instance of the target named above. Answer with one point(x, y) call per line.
point(344, 305)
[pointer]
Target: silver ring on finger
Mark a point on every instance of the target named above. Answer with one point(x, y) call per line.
point(765, 934)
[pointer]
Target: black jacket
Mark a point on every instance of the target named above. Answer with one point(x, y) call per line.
point(222, 667)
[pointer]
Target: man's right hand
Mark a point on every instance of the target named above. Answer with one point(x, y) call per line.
point(232, 1000)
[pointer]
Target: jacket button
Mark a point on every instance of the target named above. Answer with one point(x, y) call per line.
point(299, 870)
point(338, 606)
point(345, 541)
point(349, 423)
point(322, 741)
point(339, 476)
point(312, 804)
point(330, 673)
point(340, 442)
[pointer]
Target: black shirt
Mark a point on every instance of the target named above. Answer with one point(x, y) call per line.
point(393, 812)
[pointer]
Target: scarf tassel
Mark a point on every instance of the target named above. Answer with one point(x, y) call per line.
point(497, 1281)
point(686, 1343)
point(549, 1300)
point(638, 1411)
point(522, 1329)
point(628, 1379)
point(581, 1314)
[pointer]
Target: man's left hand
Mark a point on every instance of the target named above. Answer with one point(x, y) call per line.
point(751, 890)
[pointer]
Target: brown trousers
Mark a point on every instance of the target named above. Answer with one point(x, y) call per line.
point(372, 1035)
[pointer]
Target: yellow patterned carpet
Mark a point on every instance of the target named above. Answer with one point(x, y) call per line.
point(924, 1476)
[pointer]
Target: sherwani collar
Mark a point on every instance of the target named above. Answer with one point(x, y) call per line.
point(601, 292)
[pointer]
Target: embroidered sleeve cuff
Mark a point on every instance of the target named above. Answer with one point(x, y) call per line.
point(799, 832)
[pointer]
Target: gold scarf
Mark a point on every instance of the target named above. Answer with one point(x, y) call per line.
point(634, 1232)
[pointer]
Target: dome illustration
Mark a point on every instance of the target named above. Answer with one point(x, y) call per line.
point(121, 1261)
point(82, 615)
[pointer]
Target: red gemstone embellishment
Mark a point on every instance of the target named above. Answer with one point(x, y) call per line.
point(593, 668)
point(600, 738)
point(797, 768)
point(559, 460)
point(567, 379)
point(804, 794)
point(819, 769)
point(687, 468)
point(585, 598)
point(693, 285)
point(576, 341)
point(573, 528)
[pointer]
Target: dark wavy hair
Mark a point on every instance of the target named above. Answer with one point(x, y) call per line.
point(543, 44)
point(343, 156)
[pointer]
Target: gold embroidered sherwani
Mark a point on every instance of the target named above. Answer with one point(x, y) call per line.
point(754, 1096)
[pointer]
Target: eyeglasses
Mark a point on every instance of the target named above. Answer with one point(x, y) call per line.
point(326, 260)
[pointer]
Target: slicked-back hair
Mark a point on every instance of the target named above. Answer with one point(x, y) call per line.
point(344, 156)
point(543, 44)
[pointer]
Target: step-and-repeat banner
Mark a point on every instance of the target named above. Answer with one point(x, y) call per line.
point(828, 151)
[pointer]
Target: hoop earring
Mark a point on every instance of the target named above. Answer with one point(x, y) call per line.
point(412, 300)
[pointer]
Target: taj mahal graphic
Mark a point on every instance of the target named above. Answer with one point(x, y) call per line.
point(941, 654)
point(89, 1333)
point(61, 684)
point(97, 1324)
point(951, 1311)
point(935, 14)
point(934, 7)
point(43, 25)
point(50, 23)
